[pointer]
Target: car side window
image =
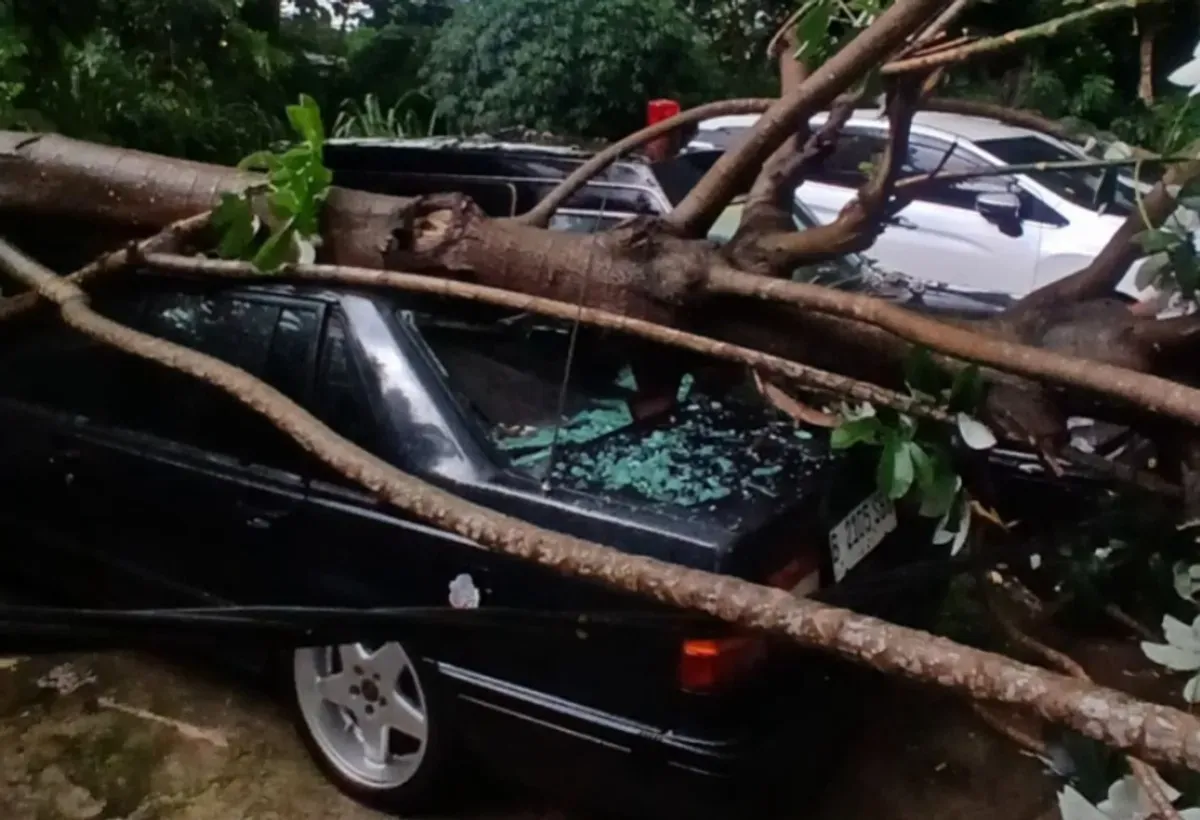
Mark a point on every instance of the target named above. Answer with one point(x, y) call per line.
point(46, 363)
point(265, 338)
point(926, 155)
point(340, 392)
point(845, 166)
point(856, 151)
point(269, 339)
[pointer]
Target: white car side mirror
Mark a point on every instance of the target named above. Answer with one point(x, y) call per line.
point(999, 206)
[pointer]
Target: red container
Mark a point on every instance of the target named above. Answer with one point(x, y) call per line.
point(657, 111)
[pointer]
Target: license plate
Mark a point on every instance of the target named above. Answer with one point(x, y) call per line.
point(860, 532)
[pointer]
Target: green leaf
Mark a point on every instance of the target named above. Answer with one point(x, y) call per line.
point(1172, 657)
point(894, 475)
point(865, 430)
point(1155, 241)
point(259, 161)
point(275, 250)
point(234, 219)
point(922, 374)
point(306, 121)
point(939, 497)
point(285, 202)
point(966, 393)
point(923, 465)
point(1186, 267)
point(812, 31)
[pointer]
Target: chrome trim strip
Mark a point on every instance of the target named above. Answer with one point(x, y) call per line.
point(545, 723)
point(580, 712)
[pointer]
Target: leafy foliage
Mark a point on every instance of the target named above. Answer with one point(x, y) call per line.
point(287, 208)
point(369, 119)
point(565, 66)
point(1126, 800)
point(916, 459)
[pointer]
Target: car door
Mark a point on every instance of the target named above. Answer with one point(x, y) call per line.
point(192, 489)
point(940, 236)
point(54, 381)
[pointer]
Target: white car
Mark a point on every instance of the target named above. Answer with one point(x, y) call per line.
point(995, 236)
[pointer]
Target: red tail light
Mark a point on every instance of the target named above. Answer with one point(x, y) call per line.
point(708, 664)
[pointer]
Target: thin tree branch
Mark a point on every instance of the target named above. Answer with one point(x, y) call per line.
point(703, 204)
point(1046, 29)
point(539, 216)
point(782, 249)
point(1003, 727)
point(1149, 779)
point(768, 208)
point(810, 377)
point(1104, 272)
point(1033, 167)
point(943, 22)
point(169, 240)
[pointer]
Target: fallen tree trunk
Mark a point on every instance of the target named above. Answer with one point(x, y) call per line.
point(639, 270)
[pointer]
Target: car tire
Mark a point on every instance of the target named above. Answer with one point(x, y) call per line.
point(388, 748)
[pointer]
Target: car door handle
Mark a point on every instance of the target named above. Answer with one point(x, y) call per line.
point(902, 222)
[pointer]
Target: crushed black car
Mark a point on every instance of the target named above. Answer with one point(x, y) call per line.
point(167, 493)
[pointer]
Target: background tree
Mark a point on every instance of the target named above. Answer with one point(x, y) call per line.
point(565, 66)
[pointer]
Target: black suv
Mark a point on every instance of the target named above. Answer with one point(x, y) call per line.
point(158, 490)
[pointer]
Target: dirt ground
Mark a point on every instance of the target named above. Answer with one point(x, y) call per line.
point(129, 737)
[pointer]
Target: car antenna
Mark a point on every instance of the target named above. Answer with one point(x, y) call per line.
point(547, 484)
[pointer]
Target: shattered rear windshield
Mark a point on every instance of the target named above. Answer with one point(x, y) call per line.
point(716, 445)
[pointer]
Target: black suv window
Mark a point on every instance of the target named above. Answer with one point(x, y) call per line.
point(270, 339)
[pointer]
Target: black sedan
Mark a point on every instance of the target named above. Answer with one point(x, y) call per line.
point(136, 486)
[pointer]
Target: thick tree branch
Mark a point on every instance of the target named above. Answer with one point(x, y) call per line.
point(1139, 390)
point(782, 48)
point(134, 193)
point(858, 224)
point(1103, 273)
point(732, 172)
point(768, 209)
point(1149, 779)
point(1158, 733)
point(539, 216)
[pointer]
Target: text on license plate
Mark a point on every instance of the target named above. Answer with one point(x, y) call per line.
point(859, 532)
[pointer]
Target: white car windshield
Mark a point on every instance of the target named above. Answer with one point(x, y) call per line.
point(1077, 185)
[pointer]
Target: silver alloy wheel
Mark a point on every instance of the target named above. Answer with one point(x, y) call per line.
point(365, 709)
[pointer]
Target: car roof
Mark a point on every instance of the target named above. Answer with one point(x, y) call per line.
point(476, 143)
point(962, 126)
